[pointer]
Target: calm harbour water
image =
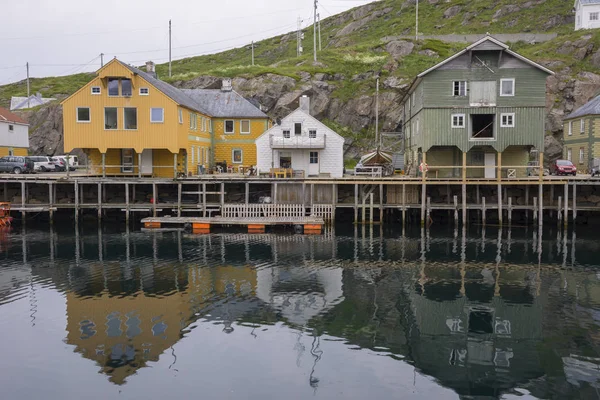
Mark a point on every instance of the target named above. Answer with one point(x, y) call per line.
point(353, 314)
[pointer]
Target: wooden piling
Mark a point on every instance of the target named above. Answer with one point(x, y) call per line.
point(455, 210)
point(103, 165)
point(535, 209)
point(139, 165)
point(204, 200)
point(527, 201)
point(423, 200)
point(23, 213)
point(428, 209)
point(247, 193)
point(334, 201)
point(510, 211)
point(50, 201)
point(154, 199)
point(76, 188)
point(403, 204)
point(371, 208)
point(566, 211)
point(499, 197)
point(541, 201)
point(574, 201)
point(127, 207)
point(99, 201)
point(356, 203)
point(464, 204)
point(179, 190)
point(559, 210)
point(483, 211)
point(380, 203)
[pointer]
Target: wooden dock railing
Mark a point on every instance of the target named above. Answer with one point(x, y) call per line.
point(276, 210)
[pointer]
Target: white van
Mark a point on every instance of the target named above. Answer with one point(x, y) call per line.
point(73, 161)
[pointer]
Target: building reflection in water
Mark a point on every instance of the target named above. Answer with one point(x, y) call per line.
point(476, 311)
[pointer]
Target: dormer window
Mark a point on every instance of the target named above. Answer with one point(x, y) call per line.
point(298, 128)
point(113, 86)
point(119, 87)
point(126, 89)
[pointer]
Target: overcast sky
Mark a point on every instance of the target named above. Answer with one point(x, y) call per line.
point(62, 37)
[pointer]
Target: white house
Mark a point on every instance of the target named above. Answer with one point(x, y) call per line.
point(587, 14)
point(302, 143)
point(14, 134)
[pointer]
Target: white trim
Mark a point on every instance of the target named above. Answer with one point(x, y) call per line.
point(193, 121)
point(163, 115)
point(310, 134)
point(570, 128)
point(111, 129)
point(464, 119)
point(581, 126)
point(96, 87)
point(242, 132)
point(147, 91)
point(581, 154)
point(310, 153)
point(507, 125)
point(77, 115)
point(570, 155)
point(513, 87)
point(241, 156)
point(459, 82)
point(225, 127)
point(136, 119)
point(594, 14)
point(180, 115)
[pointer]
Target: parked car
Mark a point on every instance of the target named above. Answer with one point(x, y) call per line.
point(563, 167)
point(16, 165)
point(595, 171)
point(73, 161)
point(42, 163)
point(59, 164)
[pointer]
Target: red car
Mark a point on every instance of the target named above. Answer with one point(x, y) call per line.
point(563, 167)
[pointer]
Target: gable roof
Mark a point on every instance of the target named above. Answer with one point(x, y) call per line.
point(299, 110)
point(7, 116)
point(592, 107)
point(221, 104)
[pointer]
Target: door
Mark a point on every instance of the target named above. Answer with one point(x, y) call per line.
point(490, 165)
point(483, 94)
point(127, 160)
point(313, 163)
point(285, 159)
point(147, 162)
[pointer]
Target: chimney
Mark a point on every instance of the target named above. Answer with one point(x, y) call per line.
point(150, 67)
point(226, 85)
point(305, 104)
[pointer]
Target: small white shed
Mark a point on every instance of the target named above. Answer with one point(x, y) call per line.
point(302, 143)
point(587, 14)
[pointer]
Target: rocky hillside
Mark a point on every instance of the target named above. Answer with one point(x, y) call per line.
point(360, 45)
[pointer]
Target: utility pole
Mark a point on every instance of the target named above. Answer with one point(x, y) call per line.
point(169, 48)
point(377, 139)
point(253, 53)
point(315, 32)
point(417, 22)
point(101, 60)
point(319, 27)
point(299, 38)
point(28, 94)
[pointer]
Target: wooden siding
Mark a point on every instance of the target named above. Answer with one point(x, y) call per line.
point(436, 128)
point(225, 143)
point(17, 151)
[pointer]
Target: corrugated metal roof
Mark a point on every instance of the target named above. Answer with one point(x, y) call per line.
point(224, 104)
point(7, 116)
point(590, 108)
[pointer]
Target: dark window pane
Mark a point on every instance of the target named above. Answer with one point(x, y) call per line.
point(113, 86)
point(126, 87)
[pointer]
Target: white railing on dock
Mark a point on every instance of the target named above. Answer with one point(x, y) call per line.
point(322, 210)
point(262, 210)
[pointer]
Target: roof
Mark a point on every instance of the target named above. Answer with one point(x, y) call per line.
point(172, 92)
point(7, 116)
point(306, 114)
point(584, 2)
point(589, 108)
point(19, 103)
point(219, 103)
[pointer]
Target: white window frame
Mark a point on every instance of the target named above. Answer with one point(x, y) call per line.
point(459, 87)
point(203, 124)
point(581, 154)
point(594, 16)
point(198, 149)
point(507, 125)
point(163, 115)
point(96, 93)
point(310, 157)
point(233, 156)
point(286, 133)
point(11, 128)
point(193, 122)
point(458, 126)
point(136, 119)
point(298, 134)
point(312, 133)
point(146, 89)
point(225, 127)
point(581, 125)
point(242, 131)
point(77, 115)
point(210, 125)
point(570, 155)
point(180, 113)
point(570, 128)
point(512, 80)
point(110, 129)
point(413, 98)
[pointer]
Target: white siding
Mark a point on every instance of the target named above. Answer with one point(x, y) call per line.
point(582, 16)
point(331, 156)
point(19, 137)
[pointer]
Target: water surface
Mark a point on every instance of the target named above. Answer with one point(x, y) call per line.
point(354, 314)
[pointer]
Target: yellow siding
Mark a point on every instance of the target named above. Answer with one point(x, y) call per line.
point(225, 143)
point(440, 157)
point(515, 156)
point(223, 152)
point(17, 151)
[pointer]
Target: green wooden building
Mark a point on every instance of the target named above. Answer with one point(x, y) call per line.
point(484, 107)
point(581, 134)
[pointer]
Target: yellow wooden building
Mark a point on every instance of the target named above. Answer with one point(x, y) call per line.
point(581, 134)
point(128, 122)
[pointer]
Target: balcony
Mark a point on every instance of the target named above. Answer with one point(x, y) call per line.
point(297, 142)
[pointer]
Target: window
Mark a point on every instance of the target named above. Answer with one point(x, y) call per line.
point(570, 128)
point(83, 114)
point(581, 125)
point(408, 103)
point(110, 118)
point(594, 16)
point(180, 112)
point(459, 88)
point(229, 126)
point(458, 120)
point(144, 91)
point(314, 157)
point(286, 134)
point(570, 155)
point(210, 125)
point(581, 154)
point(245, 126)
point(11, 152)
point(157, 115)
point(236, 156)
point(203, 126)
point(130, 118)
point(96, 90)
point(507, 120)
point(312, 134)
point(193, 121)
point(11, 128)
point(126, 89)
point(482, 126)
point(113, 86)
point(298, 128)
point(507, 87)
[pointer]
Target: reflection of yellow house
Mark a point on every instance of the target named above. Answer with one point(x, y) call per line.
point(123, 333)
